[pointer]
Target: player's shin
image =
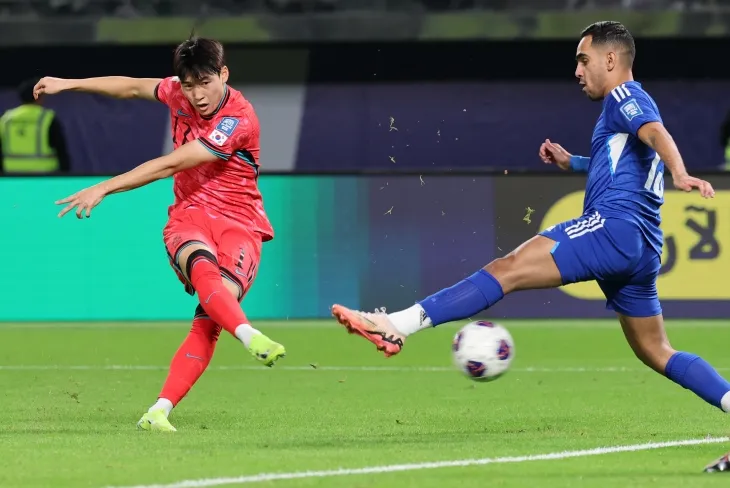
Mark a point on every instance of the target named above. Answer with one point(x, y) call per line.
point(215, 298)
point(697, 375)
point(461, 301)
point(189, 362)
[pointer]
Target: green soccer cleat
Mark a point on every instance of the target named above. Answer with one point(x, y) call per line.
point(266, 350)
point(155, 420)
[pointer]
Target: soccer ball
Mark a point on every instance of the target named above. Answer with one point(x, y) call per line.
point(483, 351)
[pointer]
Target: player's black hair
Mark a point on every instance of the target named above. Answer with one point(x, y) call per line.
point(613, 33)
point(197, 58)
point(25, 90)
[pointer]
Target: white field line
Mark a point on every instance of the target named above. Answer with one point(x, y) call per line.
point(392, 468)
point(397, 369)
point(325, 324)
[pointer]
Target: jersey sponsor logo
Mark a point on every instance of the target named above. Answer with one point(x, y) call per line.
point(217, 137)
point(227, 125)
point(631, 109)
point(696, 245)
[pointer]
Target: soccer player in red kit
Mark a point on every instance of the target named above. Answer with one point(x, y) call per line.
point(217, 222)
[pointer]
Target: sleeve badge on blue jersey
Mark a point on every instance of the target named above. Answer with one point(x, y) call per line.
point(227, 125)
point(631, 109)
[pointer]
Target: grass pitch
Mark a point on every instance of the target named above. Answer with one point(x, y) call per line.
point(72, 394)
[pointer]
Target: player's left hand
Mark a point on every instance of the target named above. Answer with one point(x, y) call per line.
point(688, 183)
point(553, 153)
point(82, 201)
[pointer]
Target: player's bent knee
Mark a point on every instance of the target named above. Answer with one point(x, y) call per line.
point(509, 272)
point(183, 255)
point(187, 256)
point(528, 267)
point(503, 269)
point(195, 256)
point(198, 250)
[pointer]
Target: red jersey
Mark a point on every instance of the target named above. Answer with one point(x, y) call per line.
point(231, 133)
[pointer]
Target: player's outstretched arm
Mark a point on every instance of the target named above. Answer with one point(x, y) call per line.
point(111, 86)
point(656, 136)
point(185, 157)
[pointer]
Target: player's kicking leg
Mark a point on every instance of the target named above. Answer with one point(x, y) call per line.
point(194, 355)
point(220, 300)
point(530, 266)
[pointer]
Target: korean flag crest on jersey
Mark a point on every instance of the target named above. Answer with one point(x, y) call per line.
point(631, 109)
point(223, 130)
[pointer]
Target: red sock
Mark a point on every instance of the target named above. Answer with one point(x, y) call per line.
point(215, 299)
point(191, 359)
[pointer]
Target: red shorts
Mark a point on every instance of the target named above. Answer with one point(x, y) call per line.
point(236, 247)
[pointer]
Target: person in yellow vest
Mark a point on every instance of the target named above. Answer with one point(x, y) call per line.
point(31, 137)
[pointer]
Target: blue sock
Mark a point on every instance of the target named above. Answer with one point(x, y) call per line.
point(694, 373)
point(466, 298)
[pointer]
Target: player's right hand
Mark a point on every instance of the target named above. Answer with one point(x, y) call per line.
point(688, 183)
point(83, 201)
point(48, 86)
point(553, 153)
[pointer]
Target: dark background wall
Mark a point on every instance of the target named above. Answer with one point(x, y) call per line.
point(456, 105)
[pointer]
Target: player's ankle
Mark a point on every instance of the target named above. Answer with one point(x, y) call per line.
point(164, 404)
point(725, 402)
point(245, 333)
point(410, 320)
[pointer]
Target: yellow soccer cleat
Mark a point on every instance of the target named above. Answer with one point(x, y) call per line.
point(266, 350)
point(155, 420)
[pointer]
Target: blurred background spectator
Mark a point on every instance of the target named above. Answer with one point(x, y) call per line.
point(31, 137)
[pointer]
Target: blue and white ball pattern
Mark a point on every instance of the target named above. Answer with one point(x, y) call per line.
point(483, 350)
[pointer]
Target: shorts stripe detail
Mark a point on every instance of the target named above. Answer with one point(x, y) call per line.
point(555, 247)
point(591, 224)
point(188, 287)
point(582, 223)
point(598, 225)
point(181, 248)
point(175, 262)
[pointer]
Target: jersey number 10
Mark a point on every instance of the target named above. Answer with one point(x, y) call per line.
point(655, 180)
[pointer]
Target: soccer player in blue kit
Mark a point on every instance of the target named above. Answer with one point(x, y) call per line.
point(616, 242)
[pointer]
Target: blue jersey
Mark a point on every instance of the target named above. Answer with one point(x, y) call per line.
point(625, 176)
